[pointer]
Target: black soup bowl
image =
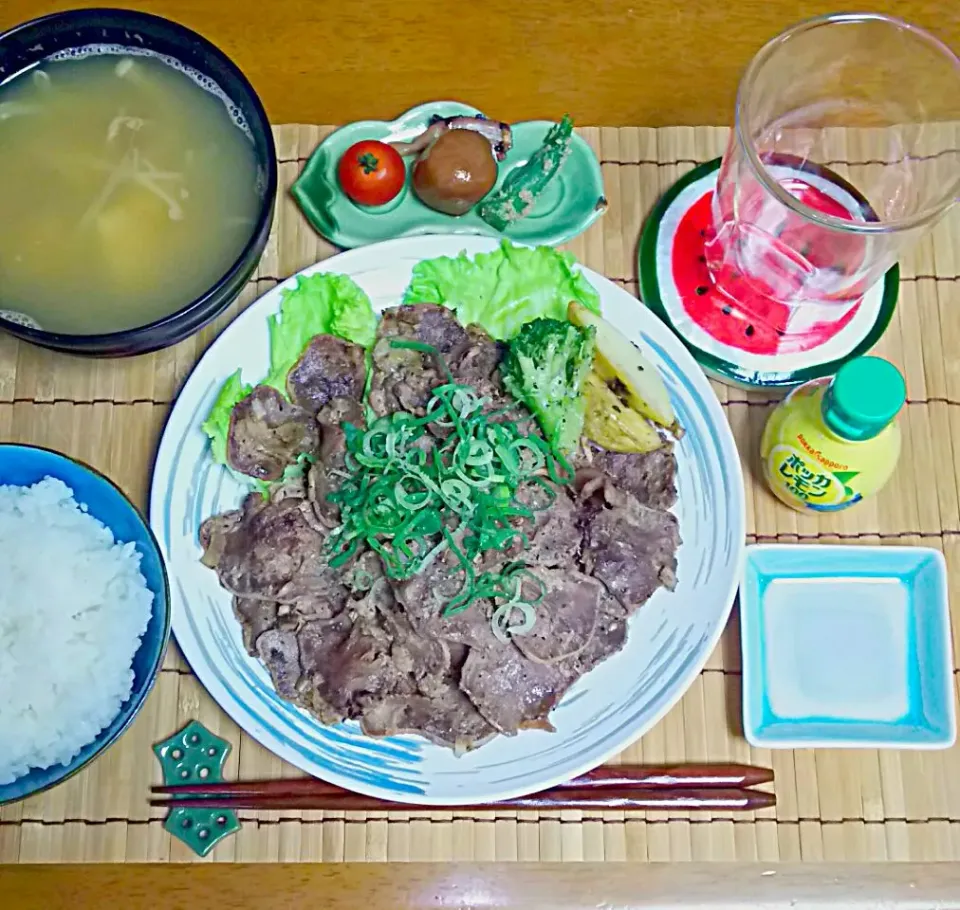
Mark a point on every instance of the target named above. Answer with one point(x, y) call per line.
point(26, 45)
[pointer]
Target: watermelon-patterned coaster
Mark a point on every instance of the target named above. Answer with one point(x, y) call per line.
point(747, 346)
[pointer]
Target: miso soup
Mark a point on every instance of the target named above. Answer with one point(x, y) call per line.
point(128, 186)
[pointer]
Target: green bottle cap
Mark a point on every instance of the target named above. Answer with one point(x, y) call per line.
point(864, 396)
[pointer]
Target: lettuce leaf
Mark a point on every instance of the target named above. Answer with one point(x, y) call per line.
point(323, 303)
point(217, 424)
point(503, 290)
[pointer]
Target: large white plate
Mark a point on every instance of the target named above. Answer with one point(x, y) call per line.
point(670, 637)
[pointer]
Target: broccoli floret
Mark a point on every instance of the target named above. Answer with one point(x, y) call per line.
point(545, 367)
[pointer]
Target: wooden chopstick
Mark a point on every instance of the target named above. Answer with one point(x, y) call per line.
point(714, 798)
point(688, 775)
point(604, 777)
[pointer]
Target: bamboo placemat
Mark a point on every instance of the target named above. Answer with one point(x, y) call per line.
point(832, 805)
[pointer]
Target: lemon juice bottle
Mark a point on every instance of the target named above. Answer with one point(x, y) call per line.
point(832, 442)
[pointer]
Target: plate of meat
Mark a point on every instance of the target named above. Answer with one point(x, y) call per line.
point(448, 521)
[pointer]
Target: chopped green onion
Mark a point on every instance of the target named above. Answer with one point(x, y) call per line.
point(504, 629)
point(406, 488)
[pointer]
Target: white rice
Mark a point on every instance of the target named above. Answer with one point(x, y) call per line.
point(73, 606)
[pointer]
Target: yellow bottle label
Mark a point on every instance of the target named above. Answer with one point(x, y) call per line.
point(792, 477)
point(807, 467)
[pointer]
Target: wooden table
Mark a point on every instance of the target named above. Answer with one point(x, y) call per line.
point(848, 807)
point(545, 886)
point(614, 61)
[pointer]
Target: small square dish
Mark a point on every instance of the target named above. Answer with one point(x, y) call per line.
point(846, 647)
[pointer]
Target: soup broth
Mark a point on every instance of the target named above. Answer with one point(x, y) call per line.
point(128, 187)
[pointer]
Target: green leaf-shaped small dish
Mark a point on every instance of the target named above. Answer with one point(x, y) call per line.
point(572, 201)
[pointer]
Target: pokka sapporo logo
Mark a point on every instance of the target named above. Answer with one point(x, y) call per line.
point(796, 478)
point(819, 456)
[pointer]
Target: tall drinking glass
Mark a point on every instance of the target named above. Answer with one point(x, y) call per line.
point(793, 223)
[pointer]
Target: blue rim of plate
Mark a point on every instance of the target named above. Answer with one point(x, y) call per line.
point(729, 371)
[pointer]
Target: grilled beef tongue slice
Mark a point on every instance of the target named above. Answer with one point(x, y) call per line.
point(279, 651)
point(267, 433)
point(350, 670)
point(609, 636)
point(632, 550)
point(425, 322)
point(256, 617)
point(319, 640)
point(651, 477)
point(322, 477)
point(566, 617)
point(422, 657)
point(274, 554)
point(478, 362)
point(447, 719)
point(554, 533)
point(215, 533)
point(328, 368)
point(425, 596)
point(511, 692)
point(403, 379)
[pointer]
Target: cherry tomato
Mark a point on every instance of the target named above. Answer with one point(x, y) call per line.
point(371, 172)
